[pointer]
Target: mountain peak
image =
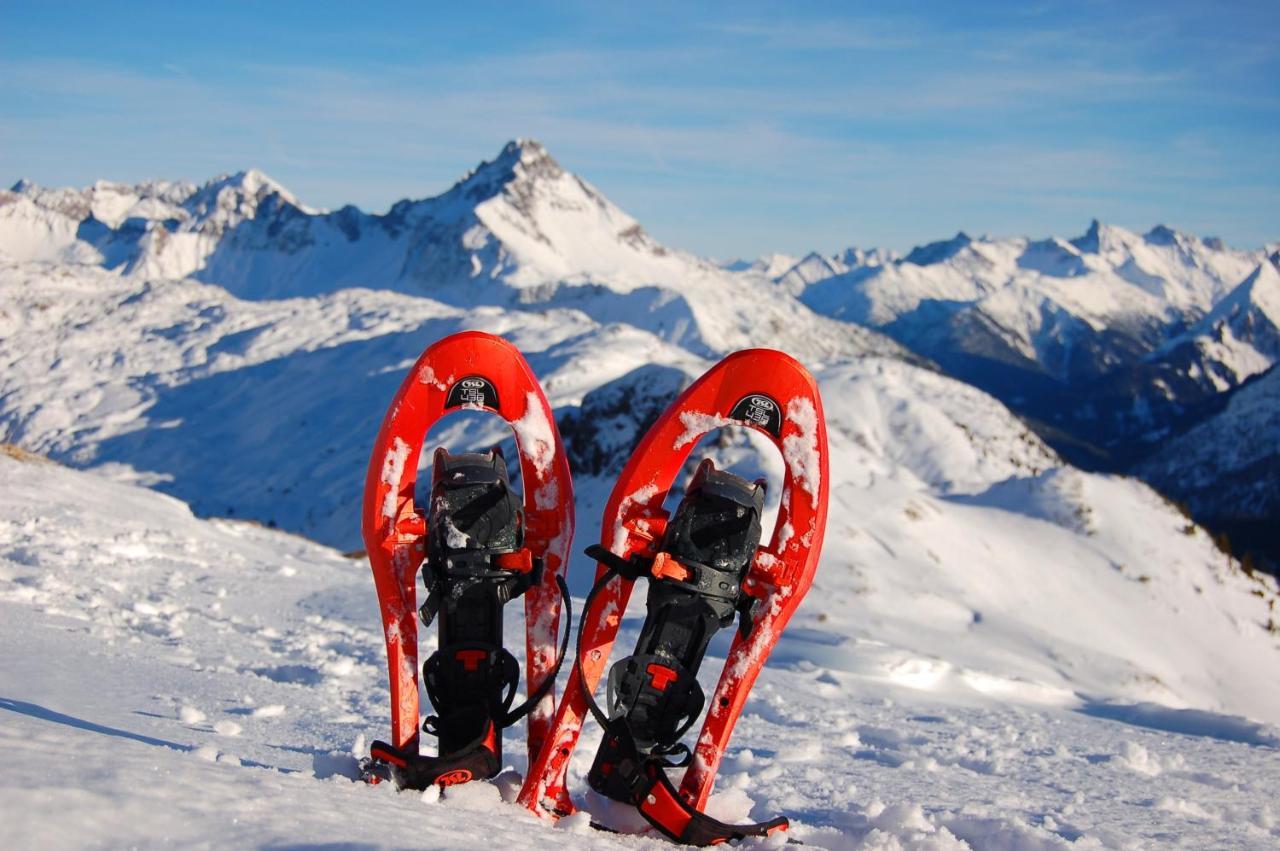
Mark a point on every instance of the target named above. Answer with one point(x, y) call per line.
point(527, 151)
point(1101, 237)
point(937, 252)
point(1260, 290)
point(1091, 241)
point(251, 182)
point(24, 185)
point(521, 161)
point(1265, 275)
point(1162, 235)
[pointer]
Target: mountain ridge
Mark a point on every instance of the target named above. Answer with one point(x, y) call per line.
point(1109, 340)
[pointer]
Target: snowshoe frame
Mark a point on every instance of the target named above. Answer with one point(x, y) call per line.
point(476, 371)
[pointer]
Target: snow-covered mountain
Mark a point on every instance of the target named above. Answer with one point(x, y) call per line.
point(1107, 342)
point(518, 231)
point(160, 228)
point(1239, 338)
point(1106, 337)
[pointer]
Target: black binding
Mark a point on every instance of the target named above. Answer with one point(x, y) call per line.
point(474, 519)
point(653, 695)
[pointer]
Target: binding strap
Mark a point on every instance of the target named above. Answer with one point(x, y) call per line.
point(478, 759)
point(414, 771)
point(510, 717)
point(629, 776)
point(622, 773)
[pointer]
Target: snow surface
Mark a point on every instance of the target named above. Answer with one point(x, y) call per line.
point(213, 679)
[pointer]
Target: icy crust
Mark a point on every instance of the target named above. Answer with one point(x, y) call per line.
point(454, 537)
point(696, 424)
point(639, 497)
point(537, 437)
point(547, 496)
point(801, 450)
point(392, 473)
point(427, 375)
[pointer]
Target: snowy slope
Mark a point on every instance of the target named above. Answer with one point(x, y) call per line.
point(263, 410)
point(1238, 339)
point(954, 531)
point(214, 677)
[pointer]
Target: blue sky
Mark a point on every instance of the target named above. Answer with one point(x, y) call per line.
point(730, 130)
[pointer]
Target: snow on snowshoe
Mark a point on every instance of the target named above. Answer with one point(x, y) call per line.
point(479, 546)
point(706, 569)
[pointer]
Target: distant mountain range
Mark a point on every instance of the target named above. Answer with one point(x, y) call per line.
point(1125, 352)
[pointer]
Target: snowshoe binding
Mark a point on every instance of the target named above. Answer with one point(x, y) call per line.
point(695, 590)
point(480, 546)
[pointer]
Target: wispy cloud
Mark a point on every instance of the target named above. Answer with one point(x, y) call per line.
point(822, 35)
point(889, 129)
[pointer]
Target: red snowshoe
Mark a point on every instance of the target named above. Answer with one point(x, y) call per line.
point(479, 546)
point(705, 568)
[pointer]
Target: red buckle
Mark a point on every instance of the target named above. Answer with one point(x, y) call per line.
point(665, 567)
point(660, 676)
point(471, 659)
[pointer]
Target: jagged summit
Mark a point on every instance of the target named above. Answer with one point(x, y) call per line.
point(1163, 235)
point(1261, 288)
point(1094, 239)
point(937, 252)
point(520, 161)
point(249, 180)
point(238, 194)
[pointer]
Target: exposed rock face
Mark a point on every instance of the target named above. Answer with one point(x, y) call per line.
point(601, 434)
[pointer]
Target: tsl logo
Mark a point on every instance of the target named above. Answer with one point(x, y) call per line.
point(473, 391)
point(760, 411)
point(453, 778)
